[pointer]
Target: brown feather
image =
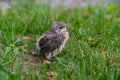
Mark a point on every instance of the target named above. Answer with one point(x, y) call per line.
point(50, 43)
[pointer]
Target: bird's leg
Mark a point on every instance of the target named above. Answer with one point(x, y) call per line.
point(48, 55)
point(58, 50)
point(55, 52)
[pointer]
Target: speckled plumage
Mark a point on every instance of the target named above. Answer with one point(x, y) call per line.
point(52, 42)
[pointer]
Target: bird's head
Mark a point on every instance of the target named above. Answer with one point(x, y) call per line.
point(60, 27)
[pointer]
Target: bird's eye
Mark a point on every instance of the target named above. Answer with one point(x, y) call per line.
point(61, 27)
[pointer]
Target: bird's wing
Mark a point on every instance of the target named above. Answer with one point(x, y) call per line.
point(50, 43)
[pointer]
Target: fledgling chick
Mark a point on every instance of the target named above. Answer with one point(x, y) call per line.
point(52, 42)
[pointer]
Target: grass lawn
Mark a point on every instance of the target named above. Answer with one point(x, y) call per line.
point(92, 52)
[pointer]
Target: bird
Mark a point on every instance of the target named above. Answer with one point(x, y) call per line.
point(53, 41)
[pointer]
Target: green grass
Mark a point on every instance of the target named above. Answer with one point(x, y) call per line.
point(92, 52)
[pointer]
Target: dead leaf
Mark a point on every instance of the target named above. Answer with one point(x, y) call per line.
point(25, 38)
point(51, 75)
point(1, 45)
point(110, 59)
point(46, 62)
